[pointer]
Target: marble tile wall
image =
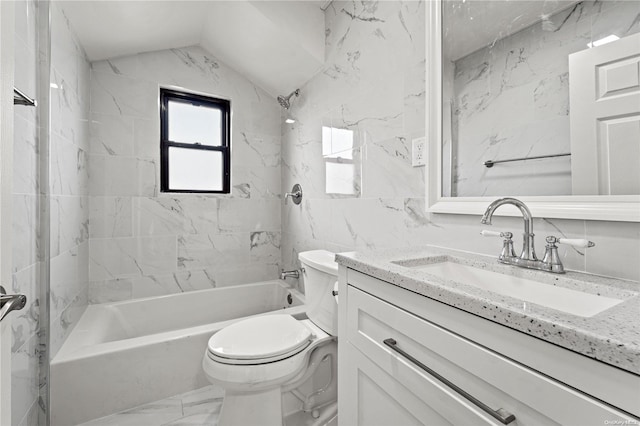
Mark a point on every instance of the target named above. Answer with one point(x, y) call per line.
point(68, 179)
point(146, 243)
point(511, 100)
point(26, 230)
point(373, 83)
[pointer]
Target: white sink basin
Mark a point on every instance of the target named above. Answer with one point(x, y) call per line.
point(554, 297)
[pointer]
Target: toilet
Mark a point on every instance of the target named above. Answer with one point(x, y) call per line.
point(257, 359)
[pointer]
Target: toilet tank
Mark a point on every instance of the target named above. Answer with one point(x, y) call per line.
point(319, 278)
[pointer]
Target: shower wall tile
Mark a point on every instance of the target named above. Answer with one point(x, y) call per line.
point(33, 415)
point(69, 222)
point(25, 156)
point(178, 282)
point(173, 216)
point(146, 134)
point(228, 275)
point(25, 238)
point(26, 321)
point(372, 84)
point(202, 250)
point(265, 246)
point(26, 241)
point(126, 257)
point(69, 111)
point(120, 95)
point(69, 172)
point(241, 215)
point(24, 378)
point(110, 217)
point(111, 135)
point(204, 240)
point(69, 277)
point(68, 179)
point(62, 325)
point(110, 290)
point(123, 176)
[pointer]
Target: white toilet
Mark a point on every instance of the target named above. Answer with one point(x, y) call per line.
point(257, 359)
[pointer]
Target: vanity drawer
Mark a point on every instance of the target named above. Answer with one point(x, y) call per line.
point(494, 380)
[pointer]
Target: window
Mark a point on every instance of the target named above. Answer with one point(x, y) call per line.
point(195, 148)
point(338, 152)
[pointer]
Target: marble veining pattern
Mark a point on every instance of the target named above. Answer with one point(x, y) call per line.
point(373, 83)
point(194, 408)
point(146, 243)
point(198, 407)
point(27, 248)
point(68, 180)
point(609, 336)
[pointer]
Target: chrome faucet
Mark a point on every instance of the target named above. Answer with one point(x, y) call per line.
point(294, 274)
point(528, 259)
point(528, 246)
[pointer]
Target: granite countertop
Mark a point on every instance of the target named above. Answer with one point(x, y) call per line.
point(611, 336)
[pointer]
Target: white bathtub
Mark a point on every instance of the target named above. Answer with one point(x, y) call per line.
point(124, 354)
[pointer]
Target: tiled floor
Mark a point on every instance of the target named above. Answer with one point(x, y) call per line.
point(198, 407)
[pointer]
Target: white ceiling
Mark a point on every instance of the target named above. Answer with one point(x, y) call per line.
point(279, 45)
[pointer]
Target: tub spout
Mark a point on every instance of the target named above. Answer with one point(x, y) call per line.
point(294, 274)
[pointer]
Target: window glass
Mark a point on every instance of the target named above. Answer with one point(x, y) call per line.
point(337, 142)
point(340, 178)
point(194, 169)
point(194, 124)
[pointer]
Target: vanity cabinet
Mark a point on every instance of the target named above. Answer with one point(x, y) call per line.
point(409, 360)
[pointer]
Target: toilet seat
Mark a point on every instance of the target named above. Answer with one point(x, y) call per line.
point(262, 373)
point(259, 340)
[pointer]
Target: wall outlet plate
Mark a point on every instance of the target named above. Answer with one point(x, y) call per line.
point(418, 152)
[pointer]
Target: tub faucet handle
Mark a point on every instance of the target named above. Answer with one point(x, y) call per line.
point(295, 194)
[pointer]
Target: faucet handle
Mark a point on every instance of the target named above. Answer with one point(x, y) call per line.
point(486, 233)
point(507, 243)
point(580, 243)
point(575, 242)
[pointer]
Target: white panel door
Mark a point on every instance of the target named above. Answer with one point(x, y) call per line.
point(6, 160)
point(605, 118)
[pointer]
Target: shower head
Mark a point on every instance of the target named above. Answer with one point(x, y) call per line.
point(285, 101)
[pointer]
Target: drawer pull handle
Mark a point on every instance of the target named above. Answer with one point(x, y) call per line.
point(500, 414)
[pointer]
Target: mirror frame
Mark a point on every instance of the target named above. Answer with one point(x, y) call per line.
point(620, 208)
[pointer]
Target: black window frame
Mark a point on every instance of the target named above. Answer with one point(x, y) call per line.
point(224, 106)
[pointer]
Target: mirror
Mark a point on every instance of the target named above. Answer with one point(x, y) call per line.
point(539, 100)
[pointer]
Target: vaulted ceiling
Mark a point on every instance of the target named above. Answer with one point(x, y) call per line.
point(279, 45)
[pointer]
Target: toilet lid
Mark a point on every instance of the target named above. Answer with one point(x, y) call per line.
point(260, 337)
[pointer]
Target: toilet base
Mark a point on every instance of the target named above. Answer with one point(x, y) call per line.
point(252, 409)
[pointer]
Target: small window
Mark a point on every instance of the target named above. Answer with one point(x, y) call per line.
point(195, 148)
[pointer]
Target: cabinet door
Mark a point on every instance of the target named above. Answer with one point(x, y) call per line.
point(374, 397)
point(463, 382)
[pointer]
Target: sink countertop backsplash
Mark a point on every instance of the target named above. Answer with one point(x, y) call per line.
point(612, 336)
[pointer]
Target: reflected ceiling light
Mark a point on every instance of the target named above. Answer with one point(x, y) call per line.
point(605, 40)
point(290, 120)
point(54, 86)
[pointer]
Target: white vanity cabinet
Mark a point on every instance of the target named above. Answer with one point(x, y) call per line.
point(409, 360)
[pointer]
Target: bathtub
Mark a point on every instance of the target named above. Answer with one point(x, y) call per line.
point(124, 354)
